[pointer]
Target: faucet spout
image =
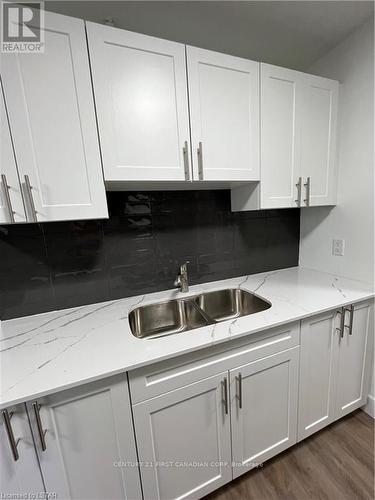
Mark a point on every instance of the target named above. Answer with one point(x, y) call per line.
point(182, 278)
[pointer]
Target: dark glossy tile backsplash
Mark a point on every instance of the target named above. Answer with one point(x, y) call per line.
point(139, 249)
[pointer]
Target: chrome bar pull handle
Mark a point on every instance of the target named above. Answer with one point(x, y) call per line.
point(239, 378)
point(31, 199)
point(225, 384)
point(185, 151)
point(13, 443)
point(299, 191)
point(200, 161)
point(308, 190)
point(350, 326)
point(8, 201)
point(41, 431)
point(342, 322)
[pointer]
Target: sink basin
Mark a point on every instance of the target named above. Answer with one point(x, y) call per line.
point(179, 315)
point(222, 305)
point(165, 318)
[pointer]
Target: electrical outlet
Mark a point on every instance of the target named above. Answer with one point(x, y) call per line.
point(338, 247)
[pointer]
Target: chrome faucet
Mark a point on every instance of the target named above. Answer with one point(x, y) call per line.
point(182, 278)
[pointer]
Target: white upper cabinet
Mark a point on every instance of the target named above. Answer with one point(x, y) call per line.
point(224, 114)
point(141, 97)
point(164, 112)
point(52, 120)
point(11, 204)
point(298, 139)
point(279, 136)
point(318, 140)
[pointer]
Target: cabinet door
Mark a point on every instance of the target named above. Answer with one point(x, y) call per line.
point(280, 127)
point(264, 409)
point(318, 139)
point(183, 440)
point(90, 448)
point(10, 192)
point(52, 120)
point(141, 98)
point(22, 475)
point(224, 112)
point(318, 372)
point(355, 360)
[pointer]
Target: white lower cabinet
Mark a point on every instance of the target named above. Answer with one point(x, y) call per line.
point(183, 440)
point(334, 369)
point(19, 470)
point(318, 359)
point(231, 409)
point(263, 409)
point(198, 420)
point(354, 361)
point(85, 442)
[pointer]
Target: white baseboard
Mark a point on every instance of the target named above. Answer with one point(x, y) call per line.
point(369, 408)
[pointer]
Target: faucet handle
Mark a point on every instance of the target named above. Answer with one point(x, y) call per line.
point(182, 278)
point(183, 267)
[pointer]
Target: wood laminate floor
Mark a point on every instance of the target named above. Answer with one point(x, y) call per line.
point(336, 463)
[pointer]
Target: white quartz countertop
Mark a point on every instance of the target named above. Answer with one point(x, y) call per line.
point(49, 352)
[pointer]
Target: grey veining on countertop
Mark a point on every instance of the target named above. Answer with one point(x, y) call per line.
point(48, 352)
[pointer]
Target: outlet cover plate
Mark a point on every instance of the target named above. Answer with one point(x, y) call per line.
point(338, 247)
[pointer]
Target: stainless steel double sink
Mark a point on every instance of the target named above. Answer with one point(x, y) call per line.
point(180, 315)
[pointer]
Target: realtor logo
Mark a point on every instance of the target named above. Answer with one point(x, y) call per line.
point(22, 27)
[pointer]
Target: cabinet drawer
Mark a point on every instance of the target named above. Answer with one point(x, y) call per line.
point(156, 379)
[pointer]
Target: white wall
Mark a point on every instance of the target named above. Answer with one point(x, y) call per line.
point(352, 63)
